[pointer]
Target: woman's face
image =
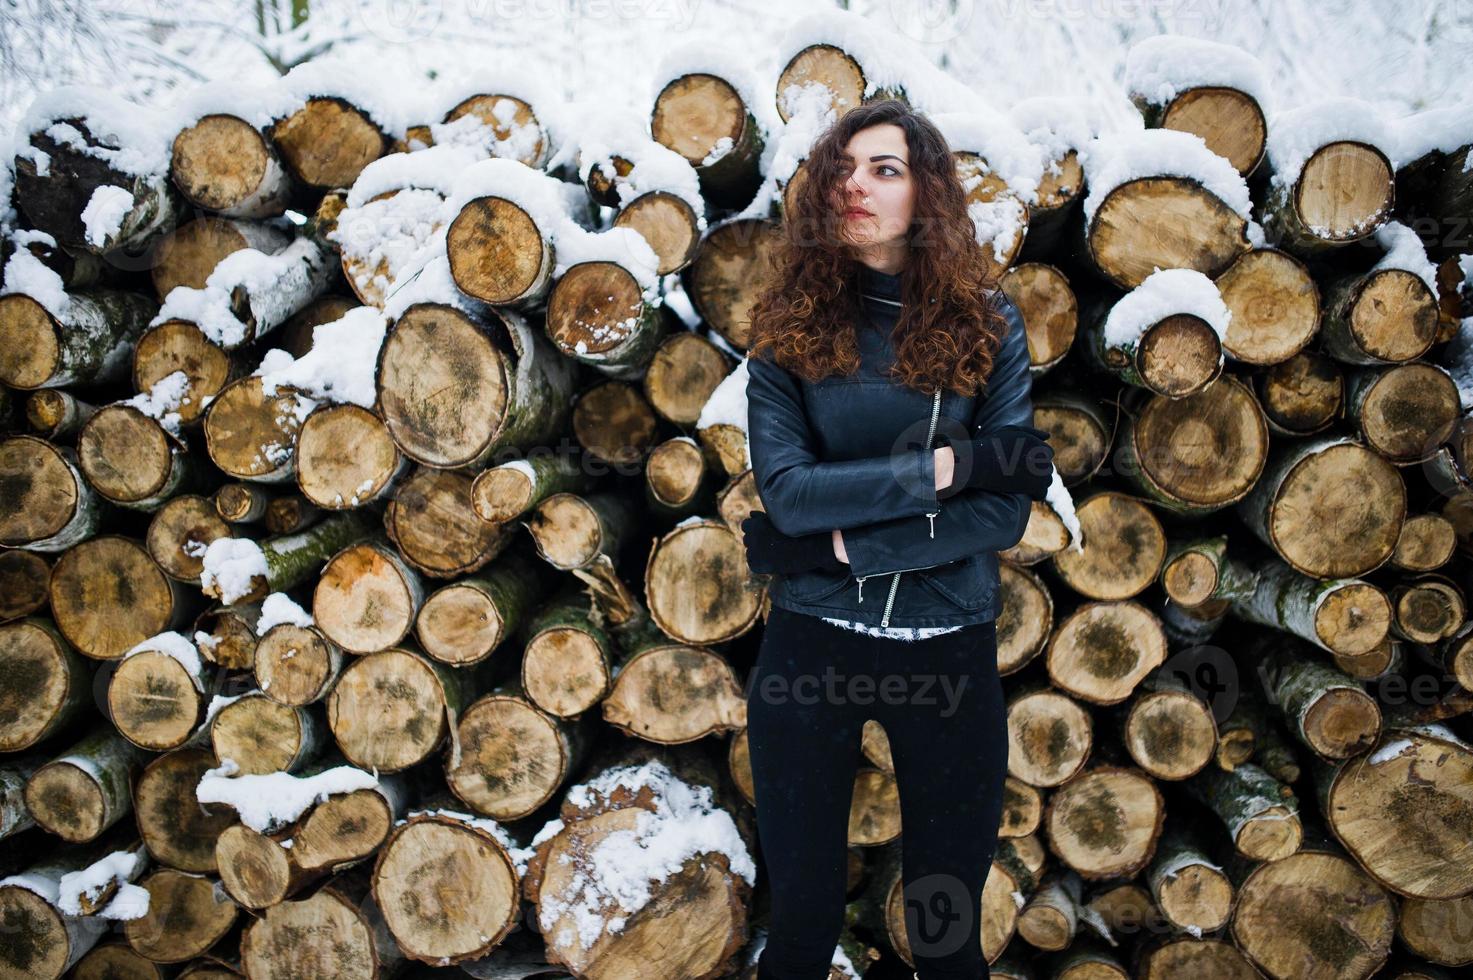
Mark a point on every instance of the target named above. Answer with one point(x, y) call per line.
point(878, 194)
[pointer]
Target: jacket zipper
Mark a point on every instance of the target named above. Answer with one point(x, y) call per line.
point(895, 576)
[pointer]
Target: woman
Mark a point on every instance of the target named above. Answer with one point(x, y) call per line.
point(881, 333)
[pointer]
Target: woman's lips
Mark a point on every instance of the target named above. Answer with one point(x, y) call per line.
point(857, 213)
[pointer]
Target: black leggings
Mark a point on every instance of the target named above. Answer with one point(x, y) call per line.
point(940, 702)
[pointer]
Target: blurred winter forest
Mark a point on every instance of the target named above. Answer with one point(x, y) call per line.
point(1403, 55)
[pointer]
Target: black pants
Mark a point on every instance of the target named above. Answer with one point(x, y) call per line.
point(940, 702)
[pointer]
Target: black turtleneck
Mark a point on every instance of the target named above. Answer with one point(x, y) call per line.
point(879, 298)
point(878, 283)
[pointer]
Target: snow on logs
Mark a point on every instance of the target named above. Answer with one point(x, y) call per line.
point(353, 413)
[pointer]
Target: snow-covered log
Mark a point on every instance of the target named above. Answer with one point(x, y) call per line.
point(1334, 163)
point(225, 164)
point(1217, 91)
point(1159, 199)
point(93, 170)
point(53, 338)
point(509, 230)
point(239, 569)
point(658, 821)
point(188, 255)
point(250, 293)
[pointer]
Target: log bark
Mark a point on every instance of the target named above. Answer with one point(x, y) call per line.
point(293, 558)
point(1313, 493)
point(1324, 708)
point(466, 621)
point(48, 686)
point(1344, 616)
point(1260, 813)
point(1199, 569)
point(56, 414)
point(76, 165)
point(88, 342)
point(79, 794)
point(455, 390)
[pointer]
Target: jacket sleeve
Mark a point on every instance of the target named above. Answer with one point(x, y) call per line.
point(803, 495)
point(974, 520)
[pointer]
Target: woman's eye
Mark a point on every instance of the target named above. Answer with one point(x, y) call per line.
point(889, 168)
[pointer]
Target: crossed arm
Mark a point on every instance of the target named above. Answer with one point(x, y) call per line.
point(803, 495)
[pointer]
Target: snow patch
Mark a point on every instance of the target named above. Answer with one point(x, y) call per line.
point(278, 608)
point(1117, 158)
point(232, 565)
point(268, 801)
point(175, 645)
point(103, 215)
point(341, 365)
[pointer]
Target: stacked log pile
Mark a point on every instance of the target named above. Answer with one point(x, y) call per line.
point(372, 593)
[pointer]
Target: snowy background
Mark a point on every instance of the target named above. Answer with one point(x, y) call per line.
point(1402, 55)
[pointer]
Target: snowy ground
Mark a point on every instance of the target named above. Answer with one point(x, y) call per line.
point(1403, 55)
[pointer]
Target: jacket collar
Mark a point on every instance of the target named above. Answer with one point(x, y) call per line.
point(879, 285)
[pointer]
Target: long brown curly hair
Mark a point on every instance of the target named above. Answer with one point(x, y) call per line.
point(948, 330)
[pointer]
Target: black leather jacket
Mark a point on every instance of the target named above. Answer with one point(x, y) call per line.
point(856, 453)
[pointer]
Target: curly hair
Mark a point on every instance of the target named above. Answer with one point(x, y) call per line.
point(948, 330)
